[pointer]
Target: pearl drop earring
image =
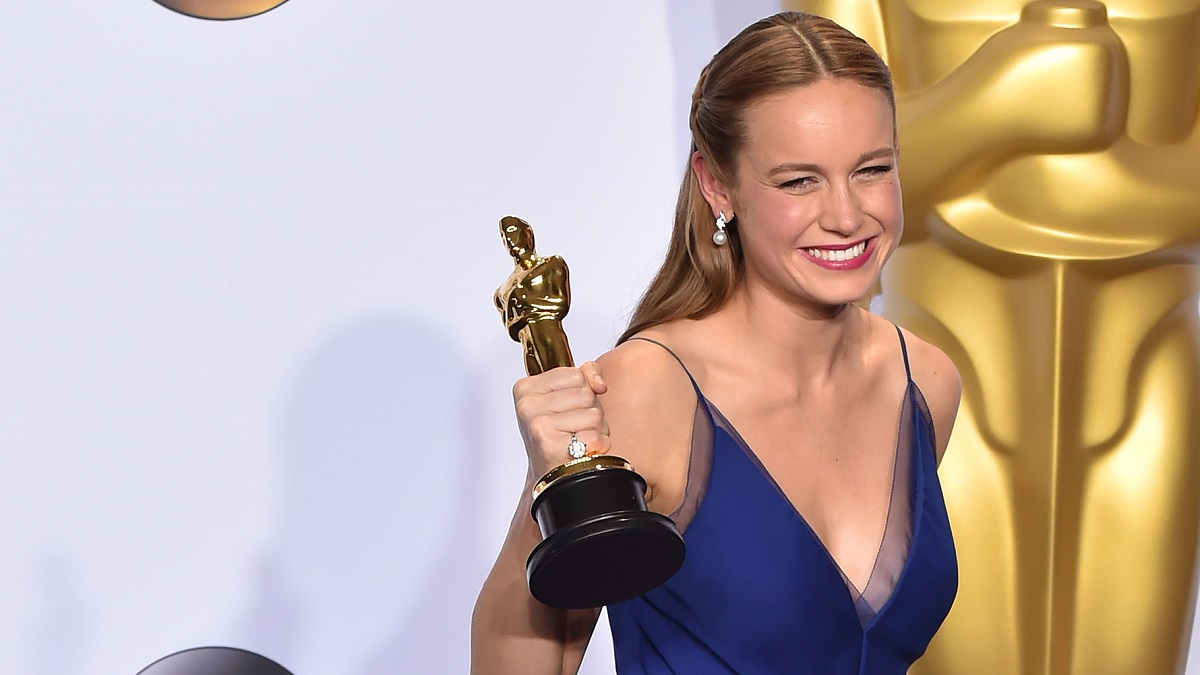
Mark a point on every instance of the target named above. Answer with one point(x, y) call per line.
point(719, 237)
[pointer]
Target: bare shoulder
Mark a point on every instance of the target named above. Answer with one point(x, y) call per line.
point(650, 406)
point(939, 381)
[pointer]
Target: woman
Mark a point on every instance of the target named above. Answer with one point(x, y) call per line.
point(792, 435)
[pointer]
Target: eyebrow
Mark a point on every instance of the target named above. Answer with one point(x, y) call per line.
point(886, 151)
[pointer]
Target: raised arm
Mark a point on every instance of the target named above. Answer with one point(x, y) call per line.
point(1032, 88)
point(511, 632)
point(646, 397)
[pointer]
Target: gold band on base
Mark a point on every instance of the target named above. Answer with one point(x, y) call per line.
point(589, 463)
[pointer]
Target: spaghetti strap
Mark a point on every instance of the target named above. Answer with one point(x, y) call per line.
point(678, 360)
point(904, 351)
point(700, 451)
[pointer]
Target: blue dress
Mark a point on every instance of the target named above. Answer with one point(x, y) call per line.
point(759, 593)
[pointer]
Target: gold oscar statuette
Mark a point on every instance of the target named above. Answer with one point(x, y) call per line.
point(600, 544)
point(1050, 157)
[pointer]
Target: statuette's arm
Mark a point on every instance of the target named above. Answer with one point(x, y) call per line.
point(993, 108)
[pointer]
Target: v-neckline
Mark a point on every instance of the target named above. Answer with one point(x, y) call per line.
point(853, 593)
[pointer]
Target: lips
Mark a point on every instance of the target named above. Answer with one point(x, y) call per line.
point(850, 257)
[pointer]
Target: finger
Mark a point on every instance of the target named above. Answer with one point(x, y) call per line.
point(551, 431)
point(551, 380)
point(560, 401)
point(597, 443)
point(545, 425)
point(591, 372)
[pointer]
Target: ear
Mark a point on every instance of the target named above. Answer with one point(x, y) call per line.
point(716, 193)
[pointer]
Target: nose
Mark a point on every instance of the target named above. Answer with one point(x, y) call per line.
point(843, 212)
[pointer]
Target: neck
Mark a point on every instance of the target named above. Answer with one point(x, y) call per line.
point(525, 258)
point(805, 345)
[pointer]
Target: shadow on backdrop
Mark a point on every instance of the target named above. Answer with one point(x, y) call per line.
point(376, 515)
point(59, 631)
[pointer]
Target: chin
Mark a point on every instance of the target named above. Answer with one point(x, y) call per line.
point(858, 297)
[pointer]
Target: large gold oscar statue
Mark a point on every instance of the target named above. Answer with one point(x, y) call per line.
point(1050, 157)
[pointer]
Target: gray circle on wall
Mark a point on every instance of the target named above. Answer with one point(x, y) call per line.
point(214, 661)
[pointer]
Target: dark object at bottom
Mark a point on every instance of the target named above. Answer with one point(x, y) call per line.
point(600, 545)
point(214, 661)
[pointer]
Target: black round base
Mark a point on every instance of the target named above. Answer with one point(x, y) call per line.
point(601, 545)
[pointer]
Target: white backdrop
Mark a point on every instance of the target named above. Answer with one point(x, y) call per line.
point(252, 388)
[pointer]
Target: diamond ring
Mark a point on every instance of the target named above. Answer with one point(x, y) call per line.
point(576, 448)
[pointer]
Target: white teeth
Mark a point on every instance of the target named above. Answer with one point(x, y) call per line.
point(840, 255)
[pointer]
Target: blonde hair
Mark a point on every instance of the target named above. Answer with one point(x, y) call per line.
point(787, 50)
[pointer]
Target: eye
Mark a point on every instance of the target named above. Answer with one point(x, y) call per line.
point(799, 183)
point(877, 170)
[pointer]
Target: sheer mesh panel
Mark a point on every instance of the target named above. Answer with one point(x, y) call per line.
point(699, 466)
point(897, 532)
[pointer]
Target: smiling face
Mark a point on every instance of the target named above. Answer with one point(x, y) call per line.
point(815, 194)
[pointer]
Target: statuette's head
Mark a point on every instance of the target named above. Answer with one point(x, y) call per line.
point(518, 237)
